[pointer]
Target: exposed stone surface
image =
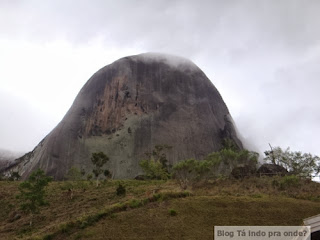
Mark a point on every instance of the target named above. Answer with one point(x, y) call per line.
point(272, 169)
point(127, 108)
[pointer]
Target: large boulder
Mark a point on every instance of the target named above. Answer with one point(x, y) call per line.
point(243, 171)
point(268, 169)
point(128, 107)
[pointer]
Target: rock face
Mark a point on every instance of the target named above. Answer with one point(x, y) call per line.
point(128, 107)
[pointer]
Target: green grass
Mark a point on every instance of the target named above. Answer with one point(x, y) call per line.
point(158, 209)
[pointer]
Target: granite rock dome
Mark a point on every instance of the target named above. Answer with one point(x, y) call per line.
point(128, 107)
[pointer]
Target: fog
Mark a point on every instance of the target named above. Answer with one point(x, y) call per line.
point(263, 57)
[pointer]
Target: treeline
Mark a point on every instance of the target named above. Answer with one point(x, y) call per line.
point(192, 171)
point(229, 161)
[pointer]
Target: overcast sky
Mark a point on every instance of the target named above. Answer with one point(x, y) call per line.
point(262, 55)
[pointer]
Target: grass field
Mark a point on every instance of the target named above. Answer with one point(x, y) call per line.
point(158, 209)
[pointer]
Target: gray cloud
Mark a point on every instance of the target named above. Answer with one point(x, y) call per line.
point(263, 56)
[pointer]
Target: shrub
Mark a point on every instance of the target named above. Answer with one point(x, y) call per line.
point(275, 183)
point(173, 212)
point(225, 160)
point(190, 171)
point(156, 166)
point(154, 169)
point(289, 182)
point(48, 237)
point(66, 228)
point(121, 190)
point(134, 203)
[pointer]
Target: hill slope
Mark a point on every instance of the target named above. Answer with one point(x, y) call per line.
point(144, 213)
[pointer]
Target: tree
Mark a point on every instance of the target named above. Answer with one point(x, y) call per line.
point(297, 163)
point(98, 159)
point(156, 167)
point(276, 155)
point(32, 192)
point(158, 155)
point(190, 171)
point(225, 160)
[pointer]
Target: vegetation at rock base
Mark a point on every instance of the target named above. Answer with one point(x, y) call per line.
point(159, 209)
point(156, 166)
point(99, 159)
point(190, 172)
point(154, 169)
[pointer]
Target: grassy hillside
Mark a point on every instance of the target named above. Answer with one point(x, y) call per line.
point(158, 209)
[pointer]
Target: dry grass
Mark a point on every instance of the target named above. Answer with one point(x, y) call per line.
point(197, 215)
point(254, 201)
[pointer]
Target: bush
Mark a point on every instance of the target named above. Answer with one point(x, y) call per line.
point(135, 203)
point(190, 171)
point(289, 182)
point(65, 228)
point(225, 160)
point(173, 212)
point(275, 183)
point(121, 190)
point(154, 169)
